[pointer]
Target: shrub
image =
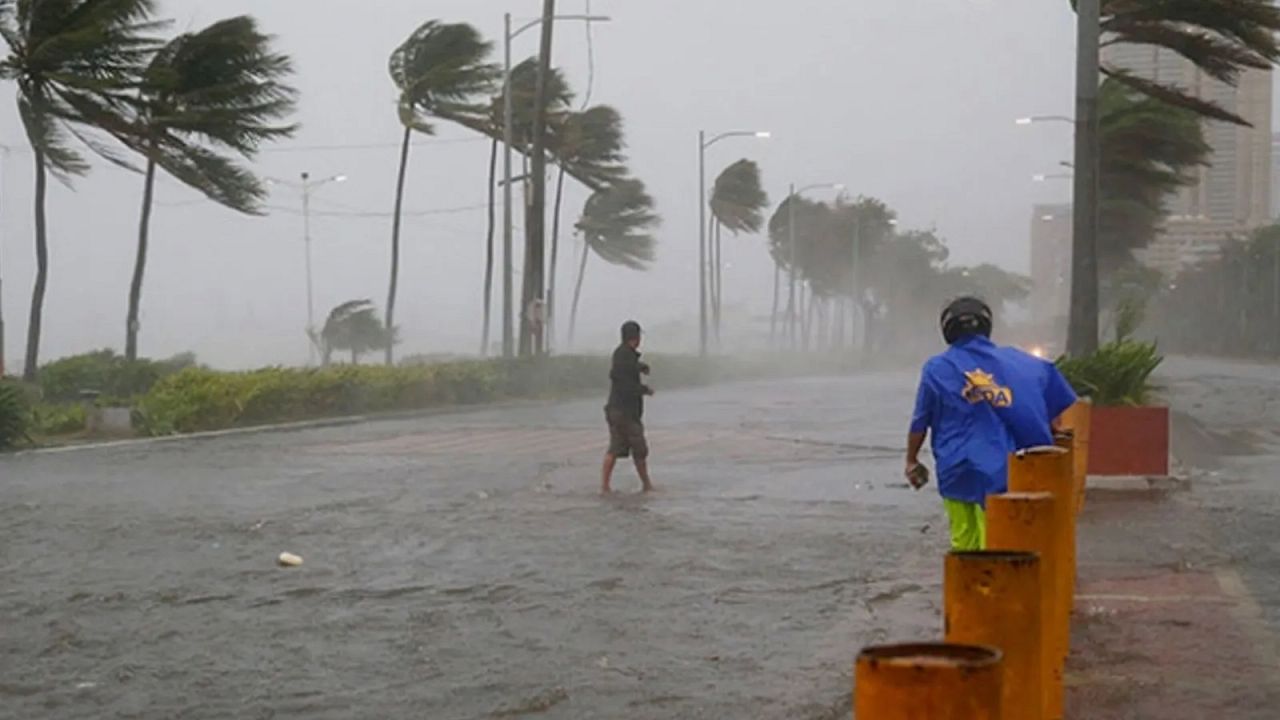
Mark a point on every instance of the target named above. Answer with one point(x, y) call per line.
point(107, 373)
point(59, 419)
point(15, 415)
point(1119, 373)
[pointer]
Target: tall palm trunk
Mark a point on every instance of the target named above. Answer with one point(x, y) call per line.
point(773, 317)
point(488, 258)
point(139, 265)
point(395, 243)
point(551, 269)
point(577, 292)
point(31, 370)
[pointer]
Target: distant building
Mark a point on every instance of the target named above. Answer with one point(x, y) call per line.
point(1275, 176)
point(1050, 264)
point(1233, 195)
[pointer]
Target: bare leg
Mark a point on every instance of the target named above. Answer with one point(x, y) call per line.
point(642, 469)
point(606, 473)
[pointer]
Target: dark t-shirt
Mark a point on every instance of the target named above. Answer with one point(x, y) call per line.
point(626, 392)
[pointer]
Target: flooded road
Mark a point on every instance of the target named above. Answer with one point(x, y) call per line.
point(462, 566)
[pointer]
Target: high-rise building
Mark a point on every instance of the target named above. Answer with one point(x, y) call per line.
point(1232, 195)
point(1050, 265)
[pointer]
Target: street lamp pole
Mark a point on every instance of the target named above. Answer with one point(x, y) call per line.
point(508, 141)
point(703, 144)
point(306, 187)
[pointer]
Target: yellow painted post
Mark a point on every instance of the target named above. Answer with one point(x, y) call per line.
point(1078, 419)
point(992, 598)
point(1024, 521)
point(1050, 470)
point(928, 682)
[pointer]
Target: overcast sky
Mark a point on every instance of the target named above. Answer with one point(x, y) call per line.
point(911, 101)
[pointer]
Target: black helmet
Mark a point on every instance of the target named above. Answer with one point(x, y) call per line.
point(630, 330)
point(965, 316)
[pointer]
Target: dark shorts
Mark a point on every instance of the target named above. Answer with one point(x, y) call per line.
point(626, 435)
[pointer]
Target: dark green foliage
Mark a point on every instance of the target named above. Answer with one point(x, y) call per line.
point(616, 222)
point(107, 373)
point(15, 415)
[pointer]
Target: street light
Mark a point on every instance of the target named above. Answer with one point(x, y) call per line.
point(791, 249)
point(1044, 119)
point(1051, 176)
point(306, 186)
point(508, 139)
point(703, 144)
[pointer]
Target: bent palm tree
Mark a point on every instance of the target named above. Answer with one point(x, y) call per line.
point(218, 89)
point(590, 144)
point(614, 225)
point(523, 81)
point(737, 203)
point(354, 326)
point(439, 71)
point(1148, 149)
point(74, 62)
point(1222, 38)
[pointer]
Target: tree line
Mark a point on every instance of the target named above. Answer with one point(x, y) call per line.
point(99, 75)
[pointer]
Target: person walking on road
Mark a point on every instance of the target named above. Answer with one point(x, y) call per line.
point(625, 410)
point(980, 402)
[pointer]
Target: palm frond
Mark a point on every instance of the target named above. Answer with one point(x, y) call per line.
point(615, 224)
point(737, 199)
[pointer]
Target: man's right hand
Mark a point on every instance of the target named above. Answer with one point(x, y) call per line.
point(917, 475)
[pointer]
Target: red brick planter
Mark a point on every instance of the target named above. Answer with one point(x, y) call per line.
point(1129, 441)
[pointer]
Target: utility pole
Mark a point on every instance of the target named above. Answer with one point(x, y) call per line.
point(535, 225)
point(1082, 330)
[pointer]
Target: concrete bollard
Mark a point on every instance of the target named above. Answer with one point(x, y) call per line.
point(1050, 470)
point(928, 682)
point(1024, 521)
point(993, 598)
point(1078, 419)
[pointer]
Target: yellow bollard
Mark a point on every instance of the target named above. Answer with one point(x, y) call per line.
point(993, 598)
point(1024, 521)
point(928, 682)
point(1050, 470)
point(1078, 419)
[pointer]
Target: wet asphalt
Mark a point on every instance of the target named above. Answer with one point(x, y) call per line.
point(463, 566)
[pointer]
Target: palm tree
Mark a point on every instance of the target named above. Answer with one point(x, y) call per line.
point(737, 203)
point(439, 70)
point(589, 144)
point(523, 82)
point(74, 62)
point(1222, 38)
point(1148, 149)
point(354, 326)
point(614, 225)
point(218, 89)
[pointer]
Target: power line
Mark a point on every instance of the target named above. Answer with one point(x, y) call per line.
point(379, 214)
point(370, 146)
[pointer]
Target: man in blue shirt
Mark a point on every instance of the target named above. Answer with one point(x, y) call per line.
point(980, 402)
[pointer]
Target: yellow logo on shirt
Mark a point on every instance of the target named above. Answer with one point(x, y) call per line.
point(981, 386)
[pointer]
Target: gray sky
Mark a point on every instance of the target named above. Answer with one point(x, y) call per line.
point(911, 101)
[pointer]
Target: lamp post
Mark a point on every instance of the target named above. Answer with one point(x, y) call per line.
point(703, 144)
point(508, 139)
point(306, 186)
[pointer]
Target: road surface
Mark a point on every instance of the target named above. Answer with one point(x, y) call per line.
point(462, 566)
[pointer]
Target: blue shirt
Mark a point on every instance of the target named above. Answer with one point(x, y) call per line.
point(981, 402)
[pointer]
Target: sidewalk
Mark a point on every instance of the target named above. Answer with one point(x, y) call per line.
point(1177, 586)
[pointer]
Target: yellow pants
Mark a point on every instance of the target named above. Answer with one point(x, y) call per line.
point(968, 525)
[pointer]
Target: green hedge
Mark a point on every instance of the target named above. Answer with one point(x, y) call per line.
point(107, 373)
point(15, 414)
point(199, 399)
